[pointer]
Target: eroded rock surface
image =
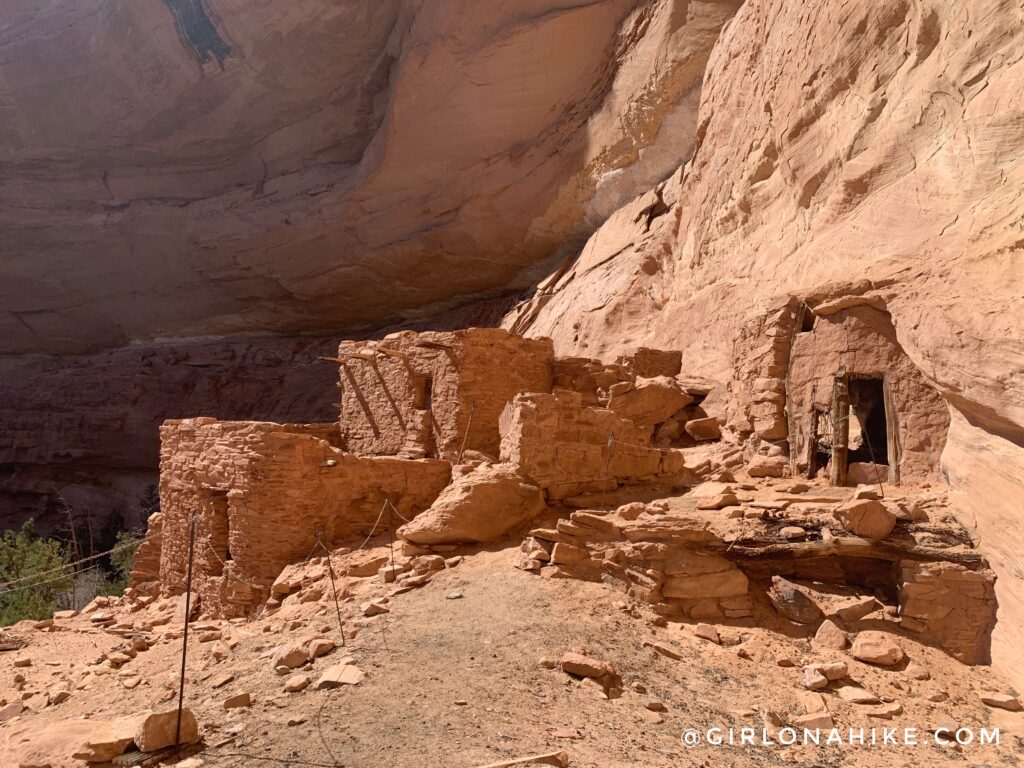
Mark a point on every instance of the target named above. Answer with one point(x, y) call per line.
point(232, 166)
point(883, 152)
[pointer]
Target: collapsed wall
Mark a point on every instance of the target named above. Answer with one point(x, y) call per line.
point(265, 495)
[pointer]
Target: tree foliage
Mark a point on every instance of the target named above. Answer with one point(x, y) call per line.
point(121, 561)
point(23, 553)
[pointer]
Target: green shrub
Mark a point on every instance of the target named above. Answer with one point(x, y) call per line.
point(22, 554)
point(122, 561)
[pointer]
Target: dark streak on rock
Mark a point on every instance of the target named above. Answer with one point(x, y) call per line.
point(197, 31)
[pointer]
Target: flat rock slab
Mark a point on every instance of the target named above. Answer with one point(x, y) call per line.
point(560, 759)
point(338, 675)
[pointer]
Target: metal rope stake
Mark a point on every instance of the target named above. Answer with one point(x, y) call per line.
point(465, 437)
point(318, 530)
point(871, 453)
point(184, 641)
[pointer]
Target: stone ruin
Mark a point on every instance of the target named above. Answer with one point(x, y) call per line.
point(412, 405)
point(417, 395)
point(818, 367)
point(454, 439)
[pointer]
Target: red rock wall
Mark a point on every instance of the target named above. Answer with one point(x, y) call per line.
point(87, 428)
point(319, 151)
point(951, 606)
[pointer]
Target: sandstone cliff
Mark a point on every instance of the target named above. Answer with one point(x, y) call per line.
point(848, 143)
point(231, 166)
point(239, 166)
point(84, 430)
point(196, 167)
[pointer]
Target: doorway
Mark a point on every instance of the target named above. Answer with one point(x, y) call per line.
point(862, 407)
point(869, 429)
point(216, 513)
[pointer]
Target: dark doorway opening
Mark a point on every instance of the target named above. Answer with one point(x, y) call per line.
point(807, 318)
point(821, 452)
point(422, 396)
point(216, 503)
point(869, 427)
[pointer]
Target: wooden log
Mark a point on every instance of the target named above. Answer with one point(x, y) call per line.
point(850, 546)
point(393, 353)
point(840, 430)
point(367, 356)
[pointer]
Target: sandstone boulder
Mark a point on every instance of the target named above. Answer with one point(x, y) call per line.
point(768, 466)
point(707, 632)
point(296, 683)
point(157, 729)
point(108, 738)
point(832, 670)
point(650, 401)
point(816, 720)
point(290, 656)
point(830, 636)
point(812, 679)
point(793, 602)
point(866, 473)
point(718, 502)
point(856, 695)
point(53, 744)
point(876, 647)
point(704, 429)
point(238, 700)
point(339, 675)
point(793, 533)
point(866, 517)
point(1001, 701)
point(479, 506)
point(857, 608)
point(583, 666)
point(886, 711)
point(319, 646)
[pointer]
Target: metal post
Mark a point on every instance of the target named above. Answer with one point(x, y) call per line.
point(318, 531)
point(184, 641)
point(465, 437)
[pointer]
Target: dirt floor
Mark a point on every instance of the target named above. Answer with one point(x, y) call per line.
point(459, 681)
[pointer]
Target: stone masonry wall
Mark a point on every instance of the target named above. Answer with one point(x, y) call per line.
point(564, 446)
point(861, 339)
point(784, 361)
point(408, 382)
point(951, 606)
point(260, 490)
point(660, 559)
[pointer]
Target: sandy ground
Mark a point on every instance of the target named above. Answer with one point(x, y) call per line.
point(458, 682)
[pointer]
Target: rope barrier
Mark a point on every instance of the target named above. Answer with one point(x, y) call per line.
point(67, 565)
point(51, 581)
point(318, 530)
